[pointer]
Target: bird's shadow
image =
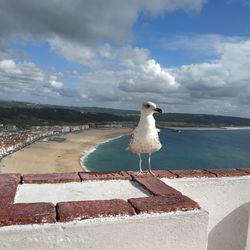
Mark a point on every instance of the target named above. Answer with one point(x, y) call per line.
point(137, 186)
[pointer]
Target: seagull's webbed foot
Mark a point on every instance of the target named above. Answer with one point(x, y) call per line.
point(151, 172)
point(140, 173)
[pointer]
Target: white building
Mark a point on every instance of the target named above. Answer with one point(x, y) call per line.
point(65, 129)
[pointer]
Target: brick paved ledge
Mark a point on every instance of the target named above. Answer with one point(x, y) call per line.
point(51, 178)
point(157, 204)
point(163, 199)
point(156, 186)
point(8, 187)
point(97, 176)
point(27, 213)
point(80, 210)
point(229, 172)
point(201, 173)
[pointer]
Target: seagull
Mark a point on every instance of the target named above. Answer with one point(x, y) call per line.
point(145, 139)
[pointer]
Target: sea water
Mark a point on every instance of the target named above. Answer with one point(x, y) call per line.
point(189, 149)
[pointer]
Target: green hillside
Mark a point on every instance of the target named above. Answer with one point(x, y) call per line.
point(28, 114)
point(24, 117)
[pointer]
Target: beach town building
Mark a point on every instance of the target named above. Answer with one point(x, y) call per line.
point(109, 125)
point(75, 128)
point(10, 127)
point(85, 127)
point(92, 125)
point(35, 128)
point(65, 129)
point(11, 141)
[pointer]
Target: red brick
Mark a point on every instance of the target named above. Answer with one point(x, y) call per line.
point(27, 213)
point(156, 186)
point(156, 204)
point(164, 174)
point(8, 187)
point(80, 210)
point(51, 178)
point(134, 174)
point(246, 170)
point(15, 176)
point(92, 176)
point(158, 173)
point(226, 172)
point(198, 173)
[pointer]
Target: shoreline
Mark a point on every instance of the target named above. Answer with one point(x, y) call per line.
point(69, 155)
point(56, 157)
point(92, 149)
point(209, 128)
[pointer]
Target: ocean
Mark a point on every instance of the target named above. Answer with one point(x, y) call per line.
point(189, 149)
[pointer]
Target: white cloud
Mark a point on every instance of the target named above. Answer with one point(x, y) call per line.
point(9, 66)
point(228, 69)
point(19, 77)
point(155, 71)
point(121, 75)
point(159, 6)
point(131, 57)
point(54, 83)
point(220, 86)
point(77, 33)
point(96, 56)
point(223, 84)
point(74, 52)
point(25, 80)
point(205, 44)
point(80, 40)
point(134, 73)
point(82, 21)
point(148, 76)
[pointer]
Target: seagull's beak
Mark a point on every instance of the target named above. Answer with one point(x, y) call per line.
point(158, 110)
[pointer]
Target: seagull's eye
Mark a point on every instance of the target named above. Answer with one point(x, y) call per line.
point(147, 105)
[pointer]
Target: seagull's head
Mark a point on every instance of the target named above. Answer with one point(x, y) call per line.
point(150, 108)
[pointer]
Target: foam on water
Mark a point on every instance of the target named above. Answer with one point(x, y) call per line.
point(87, 153)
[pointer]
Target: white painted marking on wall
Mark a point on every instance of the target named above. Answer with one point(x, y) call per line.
point(74, 191)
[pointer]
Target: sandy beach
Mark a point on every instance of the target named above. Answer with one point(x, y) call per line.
point(52, 156)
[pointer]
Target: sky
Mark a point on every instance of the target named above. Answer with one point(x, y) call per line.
point(188, 56)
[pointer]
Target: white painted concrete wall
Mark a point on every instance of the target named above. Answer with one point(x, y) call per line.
point(228, 202)
point(78, 191)
point(173, 231)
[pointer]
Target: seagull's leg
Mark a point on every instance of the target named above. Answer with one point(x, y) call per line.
point(149, 165)
point(141, 172)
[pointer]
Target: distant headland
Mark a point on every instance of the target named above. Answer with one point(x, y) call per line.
point(24, 114)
